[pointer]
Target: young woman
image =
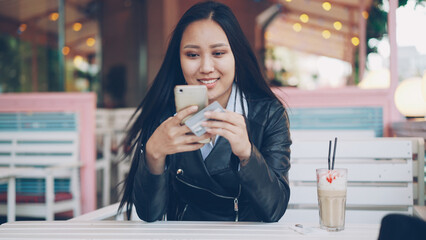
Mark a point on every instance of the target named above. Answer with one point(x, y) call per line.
point(241, 175)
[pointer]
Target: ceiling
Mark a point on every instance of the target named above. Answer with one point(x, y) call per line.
point(42, 30)
point(310, 37)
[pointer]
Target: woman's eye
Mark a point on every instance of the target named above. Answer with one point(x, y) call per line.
point(218, 53)
point(192, 55)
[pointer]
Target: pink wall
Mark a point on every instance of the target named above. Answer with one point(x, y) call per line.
point(84, 104)
point(342, 97)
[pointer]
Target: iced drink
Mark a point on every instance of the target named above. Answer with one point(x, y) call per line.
point(331, 187)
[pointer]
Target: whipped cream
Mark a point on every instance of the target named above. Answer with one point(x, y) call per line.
point(332, 180)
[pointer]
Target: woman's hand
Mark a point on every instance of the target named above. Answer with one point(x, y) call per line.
point(169, 138)
point(231, 126)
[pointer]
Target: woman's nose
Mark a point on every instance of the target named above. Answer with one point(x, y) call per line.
point(207, 65)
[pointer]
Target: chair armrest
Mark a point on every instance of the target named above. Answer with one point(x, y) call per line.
point(56, 170)
point(64, 166)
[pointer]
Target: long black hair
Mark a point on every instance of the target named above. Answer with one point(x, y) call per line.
point(160, 97)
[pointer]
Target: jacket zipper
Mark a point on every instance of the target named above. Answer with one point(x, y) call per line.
point(217, 195)
point(183, 212)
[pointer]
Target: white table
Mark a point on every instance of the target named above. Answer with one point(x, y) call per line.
point(175, 230)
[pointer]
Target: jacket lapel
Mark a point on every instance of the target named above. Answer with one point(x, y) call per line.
point(219, 158)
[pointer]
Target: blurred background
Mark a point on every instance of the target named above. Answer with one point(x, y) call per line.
point(115, 47)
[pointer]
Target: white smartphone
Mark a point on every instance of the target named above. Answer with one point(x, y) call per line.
point(188, 95)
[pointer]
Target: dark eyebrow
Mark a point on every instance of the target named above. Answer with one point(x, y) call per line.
point(191, 46)
point(218, 45)
point(211, 46)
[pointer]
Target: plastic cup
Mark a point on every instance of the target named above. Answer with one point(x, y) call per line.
point(331, 189)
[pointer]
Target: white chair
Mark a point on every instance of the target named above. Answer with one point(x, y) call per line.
point(322, 134)
point(103, 149)
point(110, 131)
point(46, 159)
point(380, 177)
point(120, 124)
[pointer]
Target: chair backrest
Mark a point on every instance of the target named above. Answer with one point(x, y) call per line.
point(38, 139)
point(380, 177)
point(316, 134)
point(121, 117)
point(38, 148)
point(103, 120)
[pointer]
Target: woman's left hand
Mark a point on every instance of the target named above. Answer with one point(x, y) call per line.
point(231, 126)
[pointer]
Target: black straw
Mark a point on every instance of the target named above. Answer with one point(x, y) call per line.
point(334, 152)
point(329, 152)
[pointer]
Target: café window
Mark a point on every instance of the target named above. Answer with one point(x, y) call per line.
point(49, 45)
point(331, 44)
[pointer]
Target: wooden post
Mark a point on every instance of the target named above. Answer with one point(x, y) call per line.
point(362, 25)
point(394, 115)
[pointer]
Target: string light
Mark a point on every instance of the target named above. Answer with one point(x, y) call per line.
point(65, 50)
point(288, 0)
point(90, 42)
point(326, 34)
point(304, 17)
point(77, 26)
point(355, 41)
point(268, 35)
point(337, 25)
point(78, 60)
point(326, 6)
point(22, 27)
point(365, 14)
point(297, 27)
point(54, 16)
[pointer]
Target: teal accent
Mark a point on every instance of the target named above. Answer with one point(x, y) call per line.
point(40, 122)
point(35, 186)
point(337, 118)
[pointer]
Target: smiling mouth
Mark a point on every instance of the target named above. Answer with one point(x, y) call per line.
point(208, 81)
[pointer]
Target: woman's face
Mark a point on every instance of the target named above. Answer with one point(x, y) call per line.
point(206, 59)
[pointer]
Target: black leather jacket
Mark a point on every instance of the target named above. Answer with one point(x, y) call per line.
point(216, 189)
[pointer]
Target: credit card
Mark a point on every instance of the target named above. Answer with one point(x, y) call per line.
point(194, 123)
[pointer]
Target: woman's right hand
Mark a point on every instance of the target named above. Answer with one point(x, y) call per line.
point(169, 138)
